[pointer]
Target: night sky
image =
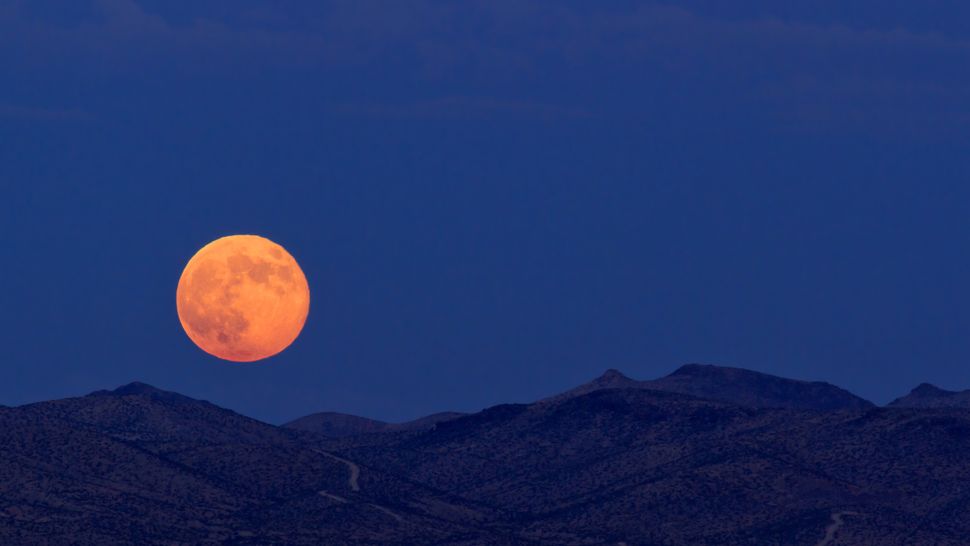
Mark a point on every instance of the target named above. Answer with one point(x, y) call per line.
point(492, 200)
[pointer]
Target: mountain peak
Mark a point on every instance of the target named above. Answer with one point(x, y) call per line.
point(612, 376)
point(926, 395)
point(691, 369)
point(929, 390)
point(610, 379)
point(711, 370)
point(137, 388)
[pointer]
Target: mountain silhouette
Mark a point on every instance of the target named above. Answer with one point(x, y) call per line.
point(142, 389)
point(614, 461)
point(342, 425)
point(757, 389)
point(930, 396)
point(642, 466)
point(734, 385)
point(139, 465)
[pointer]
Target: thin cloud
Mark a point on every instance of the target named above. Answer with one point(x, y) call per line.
point(365, 30)
point(11, 111)
point(797, 71)
point(461, 108)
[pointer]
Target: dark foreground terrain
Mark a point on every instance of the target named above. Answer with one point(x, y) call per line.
point(706, 455)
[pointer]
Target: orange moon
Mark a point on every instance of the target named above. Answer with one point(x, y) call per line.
point(242, 298)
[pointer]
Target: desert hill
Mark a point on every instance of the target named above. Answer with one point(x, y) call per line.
point(613, 461)
point(139, 465)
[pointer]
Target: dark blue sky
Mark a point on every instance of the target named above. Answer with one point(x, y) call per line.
point(493, 200)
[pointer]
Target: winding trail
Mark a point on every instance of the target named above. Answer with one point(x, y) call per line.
point(354, 469)
point(833, 528)
point(331, 496)
point(354, 486)
point(388, 512)
point(379, 508)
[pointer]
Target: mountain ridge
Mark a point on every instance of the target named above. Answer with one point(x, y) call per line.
point(138, 465)
point(926, 395)
point(721, 383)
point(138, 388)
point(734, 385)
point(618, 463)
point(340, 425)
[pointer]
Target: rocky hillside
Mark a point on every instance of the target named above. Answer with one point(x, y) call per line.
point(143, 466)
point(611, 462)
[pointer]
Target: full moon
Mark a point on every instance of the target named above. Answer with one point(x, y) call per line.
point(242, 298)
